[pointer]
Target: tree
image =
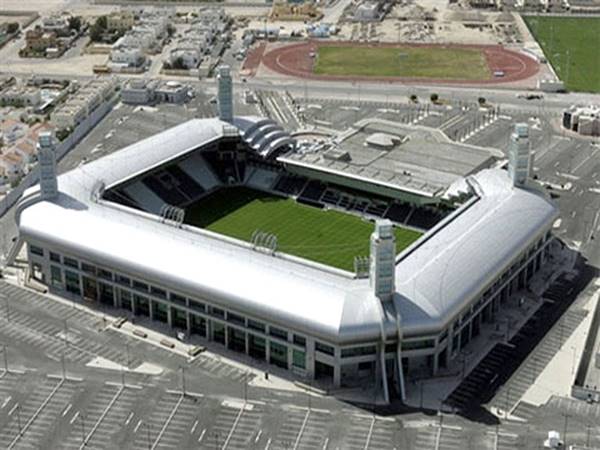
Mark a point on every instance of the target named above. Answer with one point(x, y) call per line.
point(75, 23)
point(413, 98)
point(179, 64)
point(12, 27)
point(97, 30)
point(481, 101)
point(434, 98)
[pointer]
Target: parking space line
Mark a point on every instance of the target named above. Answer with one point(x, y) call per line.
point(102, 416)
point(235, 422)
point(74, 418)
point(202, 435)
point(129, 417)
point(67, 409)
point(10, 413)
point(194, 427)
point(258, 435)
point(370, 433)
point(137, 426)
point(35, 414)
point(301, 429)
point(6, 401)
point(166, 424)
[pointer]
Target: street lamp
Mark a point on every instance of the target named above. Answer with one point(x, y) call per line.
point(7, 307)
point(82, 420)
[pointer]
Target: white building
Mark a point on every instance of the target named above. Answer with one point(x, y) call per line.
point(584, 120)
point(83, 102)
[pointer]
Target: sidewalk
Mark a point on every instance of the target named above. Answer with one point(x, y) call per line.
point(429, 393)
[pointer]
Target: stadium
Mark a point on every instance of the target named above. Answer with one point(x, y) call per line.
point(340, 269)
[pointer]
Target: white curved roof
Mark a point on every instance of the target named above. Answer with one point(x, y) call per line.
point(434, 282)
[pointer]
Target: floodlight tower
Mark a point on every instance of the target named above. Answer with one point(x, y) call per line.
point(225, 95)
point(383, 255)
point(519, 157)
point(46, 148)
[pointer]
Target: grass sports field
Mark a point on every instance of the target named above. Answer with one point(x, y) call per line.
point(408, 61)
point(328, 237)
point(571, 45)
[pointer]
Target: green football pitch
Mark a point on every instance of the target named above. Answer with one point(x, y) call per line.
point(403, 61)
point(571, 45)
point(329, 237)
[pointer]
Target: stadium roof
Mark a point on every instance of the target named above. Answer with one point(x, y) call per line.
point(435, 278)
point(422, 160)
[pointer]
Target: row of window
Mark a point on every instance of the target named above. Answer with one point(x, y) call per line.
point(163, 294)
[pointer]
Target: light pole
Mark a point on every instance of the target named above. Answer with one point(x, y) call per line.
point(565, 431)
point(82, 420)
point(7, 307)
point(148, 435)
point(5, 357)
point(182, 380)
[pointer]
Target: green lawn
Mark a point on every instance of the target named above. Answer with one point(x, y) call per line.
point(572, 45)
point(328, 237)
point(409, 61)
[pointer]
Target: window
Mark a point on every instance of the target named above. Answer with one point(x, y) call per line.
point(140, 286)
point(391, 348)
point(278, 355)
point(198, 306)
point(125, 281)
point(278, 333)
point(366, 365)
point(85, 267)
point(158, 292)
point(258, 326)
point(324, 348)
point(236, 318)
point(56, 276)
point(299, 359)
point(299, 340)
point(107, 275)
point(34, 249)
point(179, 299)
point(217, 312)
point(416, 345)
point(72, 282)
point(358, 351)
point(54, 257)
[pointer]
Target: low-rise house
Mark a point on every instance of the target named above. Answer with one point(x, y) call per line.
point(122, 20)
point(13, 164)
point(23, 95)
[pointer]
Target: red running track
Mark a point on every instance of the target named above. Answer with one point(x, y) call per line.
point(295, 60)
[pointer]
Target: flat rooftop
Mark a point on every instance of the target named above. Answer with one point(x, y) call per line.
point(410, 158)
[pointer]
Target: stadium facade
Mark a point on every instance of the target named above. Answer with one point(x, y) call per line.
point(112, 231)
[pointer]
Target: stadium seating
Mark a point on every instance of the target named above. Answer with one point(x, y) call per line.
point(425, 218)
point(120, 196)
point(187, 185)
point(197, 168)
point(225, 169)
point(144, 197)
point(398, 212)
point(377, 209)
point(164, 186)
point(260, 178)
point(331, 196)
point(290, 185)
point(313, 191)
